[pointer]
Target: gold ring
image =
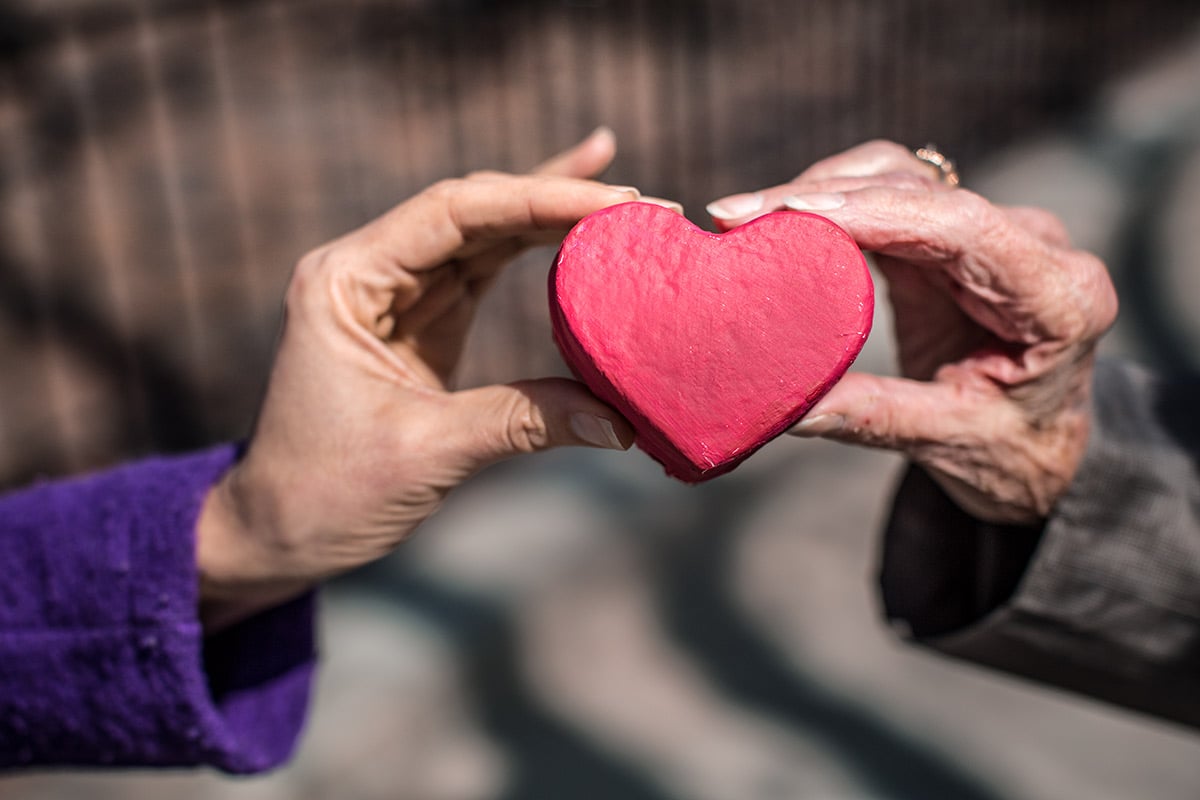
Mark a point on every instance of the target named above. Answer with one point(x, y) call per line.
point(931, 155)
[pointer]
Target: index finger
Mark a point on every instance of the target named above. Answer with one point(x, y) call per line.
point(875, 162)
point(1010, 281)
point(435, 225)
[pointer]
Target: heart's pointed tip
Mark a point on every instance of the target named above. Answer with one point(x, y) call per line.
point(691, 475)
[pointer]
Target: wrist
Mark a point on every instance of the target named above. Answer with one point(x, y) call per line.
point(237, 574)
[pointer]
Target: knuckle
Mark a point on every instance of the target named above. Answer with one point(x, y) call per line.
point(977, 216)
point(904, 179)
point(1085, 297)
point(321, 281)
point(881, 156)
point(446, 189)
point(525, 431)
point(976, 208)
point(870, 158)
point(442, 207)
point(307, 276)
point(884, 147)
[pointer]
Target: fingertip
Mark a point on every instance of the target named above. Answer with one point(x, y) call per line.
point(596, 151)
point(603, 137)
point(670, 205)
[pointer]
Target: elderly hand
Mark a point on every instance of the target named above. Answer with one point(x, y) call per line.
point(996, 317)
point(360, 437)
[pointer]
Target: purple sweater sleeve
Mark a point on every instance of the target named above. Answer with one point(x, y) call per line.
point(102, 658)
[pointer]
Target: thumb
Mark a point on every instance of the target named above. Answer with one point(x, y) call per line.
point(892, 413)
point(497, 422)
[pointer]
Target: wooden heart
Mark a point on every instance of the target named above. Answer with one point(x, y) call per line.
point(709, 344)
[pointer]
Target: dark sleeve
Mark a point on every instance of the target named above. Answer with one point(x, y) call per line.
point(1104, 599)
point(102, 658)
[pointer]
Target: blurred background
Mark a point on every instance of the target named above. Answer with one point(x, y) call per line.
point(575, 625)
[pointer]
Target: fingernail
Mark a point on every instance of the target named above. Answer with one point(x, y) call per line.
point(633, 190)
point(734, 206)
point(819, 425)
point(816, 201)
point(595, 430)
point(668, 204)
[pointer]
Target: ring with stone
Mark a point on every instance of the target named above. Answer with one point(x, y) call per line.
point(945, 167)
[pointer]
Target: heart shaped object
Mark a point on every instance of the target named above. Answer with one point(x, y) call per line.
point(709, 344)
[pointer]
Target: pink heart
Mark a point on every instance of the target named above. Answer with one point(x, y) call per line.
point(709, 344)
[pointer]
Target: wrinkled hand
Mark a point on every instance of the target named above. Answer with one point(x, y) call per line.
point(360, 436)
point(996, 317)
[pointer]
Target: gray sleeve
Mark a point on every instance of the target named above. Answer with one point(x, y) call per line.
point(1104, 599)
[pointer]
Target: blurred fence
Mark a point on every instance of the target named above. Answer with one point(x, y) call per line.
point(572, 625)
